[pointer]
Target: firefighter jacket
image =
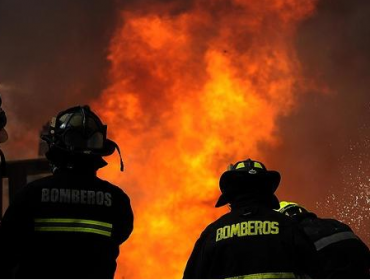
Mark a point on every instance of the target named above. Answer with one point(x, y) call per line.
point(252, 241)
point(68, 225)
point(341, 253)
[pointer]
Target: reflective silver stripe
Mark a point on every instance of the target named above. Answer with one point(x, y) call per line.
point(267, 275)
point(323, 242)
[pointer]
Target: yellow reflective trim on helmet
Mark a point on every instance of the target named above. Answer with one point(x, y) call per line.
point(74, 221)
point(285, 205)
point(268, 275)
point(258, 165)
point(240, 165)
point(286, 208)
point(53, 122)
point(74, 229)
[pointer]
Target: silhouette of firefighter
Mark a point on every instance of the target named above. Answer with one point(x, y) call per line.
point(3, 138)
point(3, 121)
point(70, 224)
point(341, 253)
point(252, 240)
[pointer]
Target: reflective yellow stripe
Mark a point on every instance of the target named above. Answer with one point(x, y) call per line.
point(73, 225)
point(77, 221)
point(74, 229)
point(268, 275)
point(240, 165)
point(258, 165)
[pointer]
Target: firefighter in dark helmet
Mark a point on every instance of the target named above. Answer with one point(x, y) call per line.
point(341, 252)
point(252, 240)
point(70, 224)
point(3, 138)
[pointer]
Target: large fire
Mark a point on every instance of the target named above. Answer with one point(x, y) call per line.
point(192, 89)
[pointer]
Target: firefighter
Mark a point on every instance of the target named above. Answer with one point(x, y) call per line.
point(3, 121)
point(3, 138)
point(252, 240)
point(69, 224)
point(341, 252)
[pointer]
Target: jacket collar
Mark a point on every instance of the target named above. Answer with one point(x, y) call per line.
point(247, 202)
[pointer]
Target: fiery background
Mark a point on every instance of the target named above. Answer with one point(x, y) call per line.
point(187, 87)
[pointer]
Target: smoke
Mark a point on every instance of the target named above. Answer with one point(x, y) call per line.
point(52, 56)
point(324, 149)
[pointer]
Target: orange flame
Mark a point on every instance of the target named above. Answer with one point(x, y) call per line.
point(192, 90)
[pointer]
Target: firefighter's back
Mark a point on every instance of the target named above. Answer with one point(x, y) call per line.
point(341, 252)
point(253, 242)
point(73, 226)
point(70, 224)
point(68, 257)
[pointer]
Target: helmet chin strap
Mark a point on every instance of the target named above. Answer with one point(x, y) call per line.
point(120, 156)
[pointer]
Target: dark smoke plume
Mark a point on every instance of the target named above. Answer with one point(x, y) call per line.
point(324, 155)
point(52, 56)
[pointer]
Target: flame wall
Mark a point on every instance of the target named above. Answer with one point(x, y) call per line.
point(190, 92)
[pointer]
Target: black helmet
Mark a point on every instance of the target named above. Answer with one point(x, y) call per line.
point(246, 176)
point(78, 130)
point(291, 208)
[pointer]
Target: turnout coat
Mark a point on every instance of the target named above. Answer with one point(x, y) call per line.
point(252, 241)
point(68, 225)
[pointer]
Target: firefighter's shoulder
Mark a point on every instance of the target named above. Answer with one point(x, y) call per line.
point(116, 190)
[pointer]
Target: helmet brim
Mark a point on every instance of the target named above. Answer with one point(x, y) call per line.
point(235, 182)
point(107, 150)
point(108, 147)
point(222, 201)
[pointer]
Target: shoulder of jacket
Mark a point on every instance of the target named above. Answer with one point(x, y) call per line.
point(40, 181)
point(116, 189)
point(217, 223)
point(335, 223)
point(107, 183)
point(24, 194)
point(33, 185)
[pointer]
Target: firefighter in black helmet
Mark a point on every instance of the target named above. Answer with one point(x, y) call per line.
point(252, 240)
point(3, 138)
point(3, 121)
point(341, 252)
point(70, 224)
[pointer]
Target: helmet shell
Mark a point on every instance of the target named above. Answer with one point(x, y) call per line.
point(291, 208)
point(247, 176)
point(79, 130)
